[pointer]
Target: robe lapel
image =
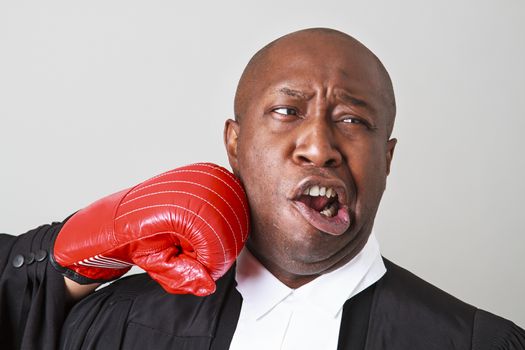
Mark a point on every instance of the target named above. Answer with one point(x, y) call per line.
point(353, 333)
point(229, 316)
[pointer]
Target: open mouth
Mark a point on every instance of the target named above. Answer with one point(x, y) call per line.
point(323, 206)
point(321, 199)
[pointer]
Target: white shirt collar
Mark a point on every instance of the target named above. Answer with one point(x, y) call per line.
point(262, 291)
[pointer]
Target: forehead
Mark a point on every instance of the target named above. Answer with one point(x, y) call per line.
point(323, 63)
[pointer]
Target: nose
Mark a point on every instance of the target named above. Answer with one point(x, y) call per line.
point(316, 145)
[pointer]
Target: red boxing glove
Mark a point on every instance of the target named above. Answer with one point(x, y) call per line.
point(184, 227)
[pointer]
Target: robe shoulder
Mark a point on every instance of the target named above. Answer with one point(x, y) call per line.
point(136, 313)
point(492, 332)
point(410, 313)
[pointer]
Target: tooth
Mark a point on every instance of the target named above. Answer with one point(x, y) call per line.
point(314, 191)
point(326, 212)
point(322, 191)
point(306, 191)
point(329, 192)
point(330, 211)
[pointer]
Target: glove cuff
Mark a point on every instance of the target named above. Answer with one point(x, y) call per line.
point(75, 275)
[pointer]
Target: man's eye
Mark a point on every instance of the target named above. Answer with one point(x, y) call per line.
point(352, 120)
point(285, 111)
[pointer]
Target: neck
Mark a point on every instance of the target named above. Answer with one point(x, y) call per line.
point(289, 279)
point(296, 280)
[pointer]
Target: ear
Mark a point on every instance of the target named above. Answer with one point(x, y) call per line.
point(231, 137)
point(390, 146)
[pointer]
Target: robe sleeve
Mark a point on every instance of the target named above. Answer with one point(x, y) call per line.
point(32, 293)
point(492, 332)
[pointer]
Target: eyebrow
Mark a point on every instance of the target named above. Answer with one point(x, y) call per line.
point(294, 93)
point(345, 96)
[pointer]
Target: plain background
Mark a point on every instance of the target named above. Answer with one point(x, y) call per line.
point(98, 95)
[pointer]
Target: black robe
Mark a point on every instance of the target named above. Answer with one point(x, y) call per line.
point(399, 312)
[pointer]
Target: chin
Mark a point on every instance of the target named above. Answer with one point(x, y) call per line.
point(314, 246)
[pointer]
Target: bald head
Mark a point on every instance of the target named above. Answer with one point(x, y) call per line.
point(310, 42)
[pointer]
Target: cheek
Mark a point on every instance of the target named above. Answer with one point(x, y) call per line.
point(259, 165)
point(367, 163)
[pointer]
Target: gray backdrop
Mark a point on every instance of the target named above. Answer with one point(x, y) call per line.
point(97, 95)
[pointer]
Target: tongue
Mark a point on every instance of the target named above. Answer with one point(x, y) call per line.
point(316, 203)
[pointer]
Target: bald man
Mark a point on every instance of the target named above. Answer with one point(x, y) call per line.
point(311, 142)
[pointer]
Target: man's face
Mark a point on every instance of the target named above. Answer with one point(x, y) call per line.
point(312, 150)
